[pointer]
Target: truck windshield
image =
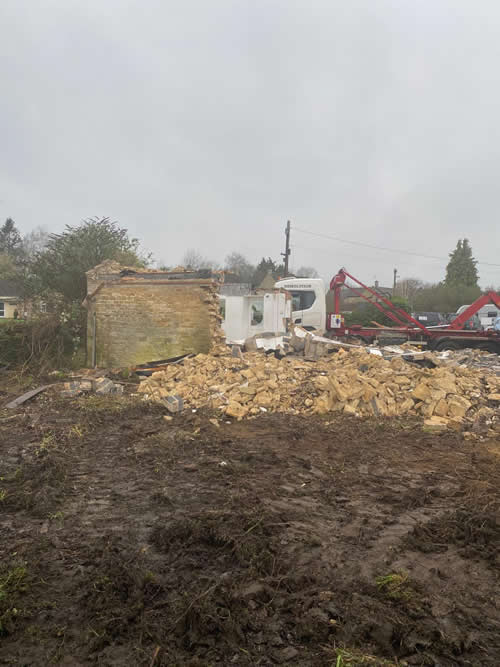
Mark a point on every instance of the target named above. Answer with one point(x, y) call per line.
point(302, 299)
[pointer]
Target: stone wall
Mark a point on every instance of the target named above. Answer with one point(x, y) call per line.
point(137, 321)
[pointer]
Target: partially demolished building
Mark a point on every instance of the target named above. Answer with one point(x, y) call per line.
point(137, 315)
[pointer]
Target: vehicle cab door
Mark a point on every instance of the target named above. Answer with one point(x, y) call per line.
point(296, 307)
point(304, 311)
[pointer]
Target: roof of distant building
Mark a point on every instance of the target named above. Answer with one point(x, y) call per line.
point(235, 289)
point(348, 292)
point(9, 288)
point(268, 282)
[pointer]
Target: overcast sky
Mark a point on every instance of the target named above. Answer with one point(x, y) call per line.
point(207, 124)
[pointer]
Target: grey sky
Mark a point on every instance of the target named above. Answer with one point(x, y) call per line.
point(207, 123)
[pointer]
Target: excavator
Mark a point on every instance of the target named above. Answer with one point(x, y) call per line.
point(452, 336)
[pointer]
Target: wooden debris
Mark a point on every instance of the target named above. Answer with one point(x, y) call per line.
point(26, 397)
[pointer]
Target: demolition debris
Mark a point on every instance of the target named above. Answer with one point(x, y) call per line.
point(100, 385)
point(357, 381)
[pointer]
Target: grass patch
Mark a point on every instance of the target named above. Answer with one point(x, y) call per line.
point(351, 658)
point(37, 485)
point(395, 586)
point(47, 442)
point(95, 404)
point(76, 431)
point(12, 585)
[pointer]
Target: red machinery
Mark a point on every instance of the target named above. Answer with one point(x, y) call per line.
point(450, 336)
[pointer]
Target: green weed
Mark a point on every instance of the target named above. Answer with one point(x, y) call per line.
point(47, 442)
point(95, 404)
point(149, 577)
point(58, 375)
point(350, 658)
point(76, 431)
point(395, 585)
point(12, 583)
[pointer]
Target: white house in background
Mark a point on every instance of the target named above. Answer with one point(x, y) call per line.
point(246, 316)
point(10, 299)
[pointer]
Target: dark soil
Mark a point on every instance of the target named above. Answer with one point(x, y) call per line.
point(129, 540)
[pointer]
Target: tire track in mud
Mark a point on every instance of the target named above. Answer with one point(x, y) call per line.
point(266, 535)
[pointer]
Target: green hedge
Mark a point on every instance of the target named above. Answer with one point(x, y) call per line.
point(12, 342)
point(41, 343)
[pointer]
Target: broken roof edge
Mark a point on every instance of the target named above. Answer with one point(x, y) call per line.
point(112, 266)
point(129, 280)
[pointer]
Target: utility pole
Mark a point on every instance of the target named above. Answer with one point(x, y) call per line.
point(395, 279)
point(286, 254)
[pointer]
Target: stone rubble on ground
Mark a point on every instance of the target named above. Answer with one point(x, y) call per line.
point(101, 386)
point(489, 361)
point(350, 380)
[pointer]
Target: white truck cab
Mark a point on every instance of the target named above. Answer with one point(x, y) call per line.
point(308, 301)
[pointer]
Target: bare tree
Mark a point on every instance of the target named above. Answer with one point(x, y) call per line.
point(307, 272)
point(239, 265)
point(408, 288)
point(195, 261)
point(35, 241)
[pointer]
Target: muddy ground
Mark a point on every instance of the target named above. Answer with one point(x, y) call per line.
point(129, 540)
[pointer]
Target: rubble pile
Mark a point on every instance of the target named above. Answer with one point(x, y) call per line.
point(352, 381)
point(471, 358)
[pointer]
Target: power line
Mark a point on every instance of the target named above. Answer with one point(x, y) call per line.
point(327, 250)
point(380, 260)
point(375, 247)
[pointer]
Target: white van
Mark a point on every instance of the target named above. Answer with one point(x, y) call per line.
point(487, 314)
point(308, 301)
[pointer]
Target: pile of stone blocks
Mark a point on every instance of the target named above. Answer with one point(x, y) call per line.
point(102, 386)
point(352, 381)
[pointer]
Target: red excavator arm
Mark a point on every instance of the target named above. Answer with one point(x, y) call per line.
point(489, 297)
point(396, 314)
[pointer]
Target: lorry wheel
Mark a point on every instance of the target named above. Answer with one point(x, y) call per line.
point(447, 345)
point(489, 347)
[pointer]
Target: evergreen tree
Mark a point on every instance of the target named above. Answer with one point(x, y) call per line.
point(461, 270)
point(265, 266)
point(10, 239)
point(61, 265)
